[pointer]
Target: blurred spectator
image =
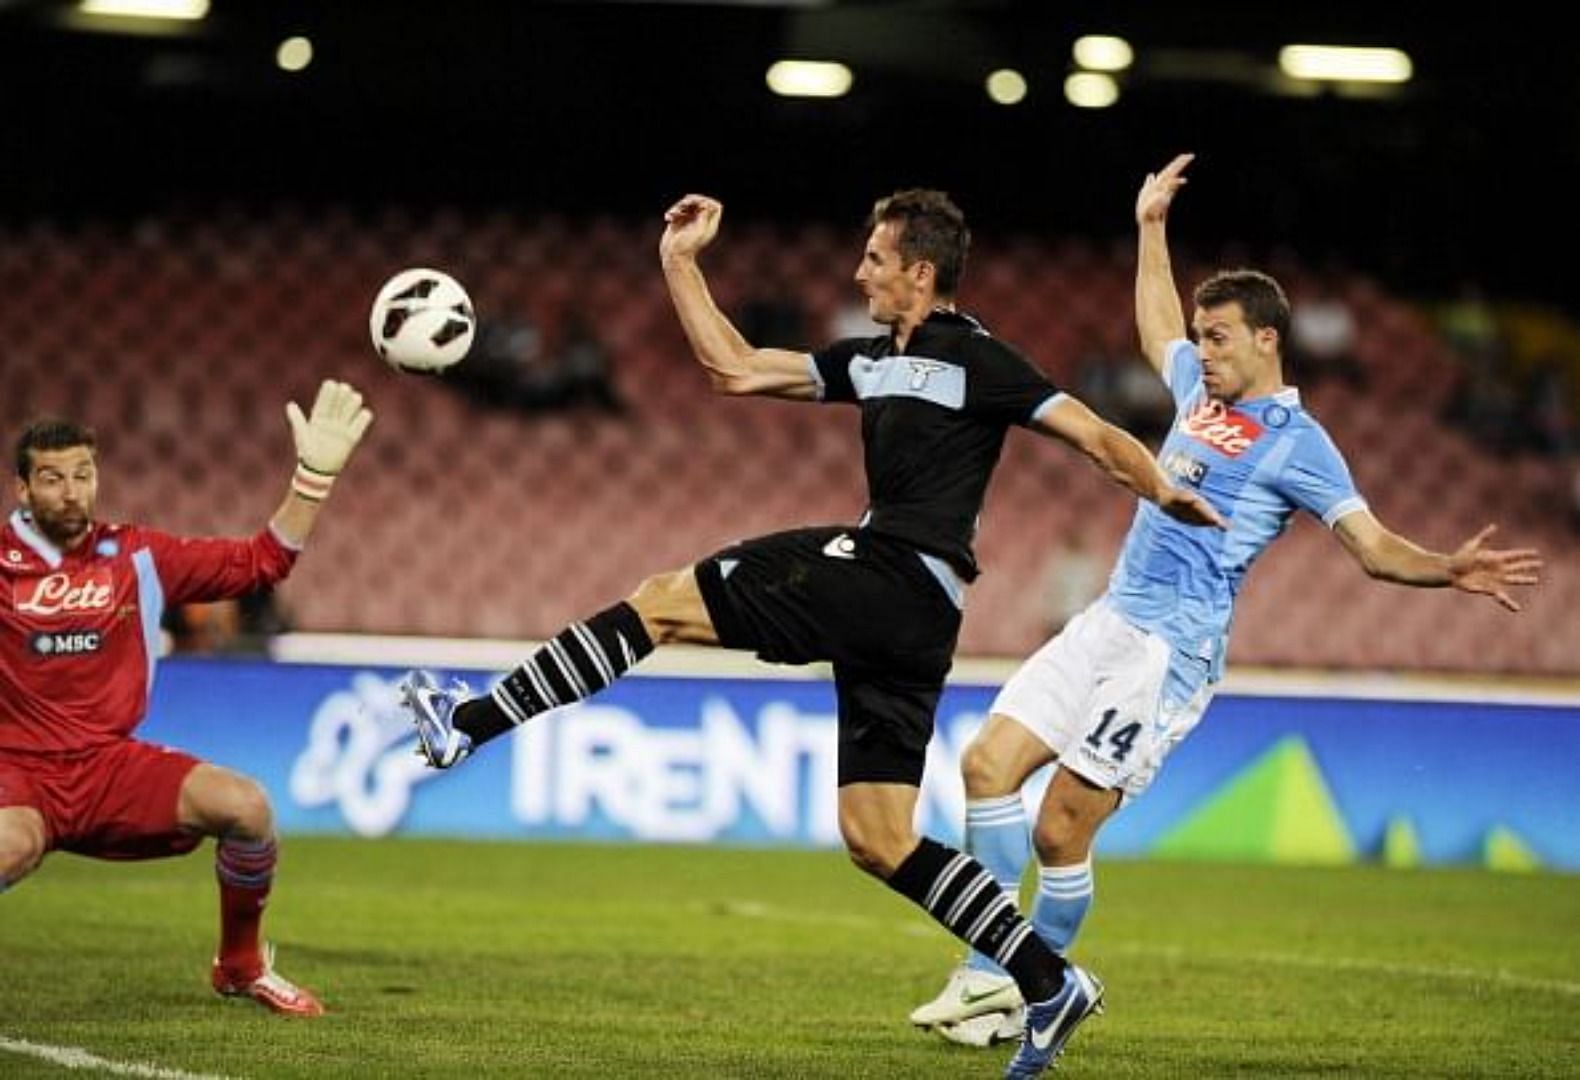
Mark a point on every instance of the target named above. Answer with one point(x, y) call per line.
point(852, 320)
point(1482, 402)
point(243, 626)
point(203, 628)
point(510, 367)
point(772, 317)
point(1097, 379)
point(261, 618)
point(1322, 333)
point(1574, 492)
point(1125, 390)
point(1145, 404)
point(586, 374)
point(1076, 575)
point(1488, 408)
point(507, 366)
point(1548, 408)
point(1470, 325)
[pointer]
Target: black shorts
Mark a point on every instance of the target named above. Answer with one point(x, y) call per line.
point(868, 604)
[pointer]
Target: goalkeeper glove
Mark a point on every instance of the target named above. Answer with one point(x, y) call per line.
point(325, 439)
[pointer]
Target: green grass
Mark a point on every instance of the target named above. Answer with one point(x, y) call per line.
point(459, 959)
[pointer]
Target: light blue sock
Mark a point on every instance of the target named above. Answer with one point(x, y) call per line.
point(997, 836)
point(1064, 893)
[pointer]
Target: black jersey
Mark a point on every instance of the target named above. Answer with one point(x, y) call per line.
point(933, 421)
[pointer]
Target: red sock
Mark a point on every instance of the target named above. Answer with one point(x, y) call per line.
point(245, 869)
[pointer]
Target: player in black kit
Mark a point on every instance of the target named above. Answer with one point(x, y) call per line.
point(881, 599)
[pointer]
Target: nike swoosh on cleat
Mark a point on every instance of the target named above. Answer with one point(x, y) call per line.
point(1044, 1038)
point(968, 998)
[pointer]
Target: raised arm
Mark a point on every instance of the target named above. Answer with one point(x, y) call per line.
point(1472, 568)
point(1159, 317)
point(732, 363)
point(1126, 461)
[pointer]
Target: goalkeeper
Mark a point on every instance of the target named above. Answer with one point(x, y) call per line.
point(77, 651)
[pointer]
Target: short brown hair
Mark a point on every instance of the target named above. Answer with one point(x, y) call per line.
point(50, 434)
point(932, 227)
point(1259, 295)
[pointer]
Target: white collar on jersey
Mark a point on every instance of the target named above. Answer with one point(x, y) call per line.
point(1289, 395)
point(22, 524)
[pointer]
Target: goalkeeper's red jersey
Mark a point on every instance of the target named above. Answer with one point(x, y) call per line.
point(79, 629)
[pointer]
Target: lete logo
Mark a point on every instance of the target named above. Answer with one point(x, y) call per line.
point(1220, 427)
point(61, 593)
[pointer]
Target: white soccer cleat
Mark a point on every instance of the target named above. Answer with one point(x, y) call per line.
point(968, 993)
point(989, 1029)
point(432, 711)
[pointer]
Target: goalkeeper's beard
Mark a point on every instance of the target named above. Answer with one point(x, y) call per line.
point(64, 527)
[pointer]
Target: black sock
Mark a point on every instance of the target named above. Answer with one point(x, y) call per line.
point(956, 890)
point(578, 662)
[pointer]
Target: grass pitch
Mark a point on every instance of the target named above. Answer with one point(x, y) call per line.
point(461, 959)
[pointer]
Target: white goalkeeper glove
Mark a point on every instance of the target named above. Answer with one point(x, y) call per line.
point(325, 439)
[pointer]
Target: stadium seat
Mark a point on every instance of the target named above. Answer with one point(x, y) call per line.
point(550, 516)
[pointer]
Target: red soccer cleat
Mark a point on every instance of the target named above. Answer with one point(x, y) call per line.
point(269, 988)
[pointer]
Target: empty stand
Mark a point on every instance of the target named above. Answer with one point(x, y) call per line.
point(181, 339)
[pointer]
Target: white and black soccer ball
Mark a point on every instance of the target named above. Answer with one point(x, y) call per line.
point(422, 320)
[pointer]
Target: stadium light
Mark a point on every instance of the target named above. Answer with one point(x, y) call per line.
point(1335, 64)
point(809, 78)
point(1100, 52)
point(1090, 90)
point(1006, 86)
point(183, 10)
point(294, 53)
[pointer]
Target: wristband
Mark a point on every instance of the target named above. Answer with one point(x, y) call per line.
point(311, 484)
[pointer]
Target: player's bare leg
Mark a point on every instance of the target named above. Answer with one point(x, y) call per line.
point(22, 843)
point(235, 811)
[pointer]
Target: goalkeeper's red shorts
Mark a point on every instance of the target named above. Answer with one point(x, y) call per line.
point(113, 802)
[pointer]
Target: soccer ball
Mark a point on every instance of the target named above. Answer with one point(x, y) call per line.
point(422, 320)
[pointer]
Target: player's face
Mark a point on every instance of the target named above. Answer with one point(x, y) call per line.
point(1234, 357)
point(59, 491)
point(893, 291)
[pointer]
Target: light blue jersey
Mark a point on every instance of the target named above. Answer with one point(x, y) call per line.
point(1257, 462)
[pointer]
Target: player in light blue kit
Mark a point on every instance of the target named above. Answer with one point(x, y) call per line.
point(1126, 680)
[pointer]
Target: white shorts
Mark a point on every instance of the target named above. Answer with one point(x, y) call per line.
point(1099, 694)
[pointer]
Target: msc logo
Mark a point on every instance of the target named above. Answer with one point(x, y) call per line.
point(1185, 468)
point(65, 642)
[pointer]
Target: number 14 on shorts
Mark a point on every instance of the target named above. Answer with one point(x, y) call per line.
point(1120, 739)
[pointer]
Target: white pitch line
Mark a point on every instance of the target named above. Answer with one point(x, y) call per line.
point(73, 1057)
point(1495, 976)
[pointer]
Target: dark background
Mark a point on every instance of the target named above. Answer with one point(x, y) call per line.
point(1471, 171)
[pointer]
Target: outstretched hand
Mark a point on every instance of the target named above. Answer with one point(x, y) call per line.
point(1189, 507)
point(689, 226)
point(326, 437)
point(1490, 571)
point(1158, 190)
